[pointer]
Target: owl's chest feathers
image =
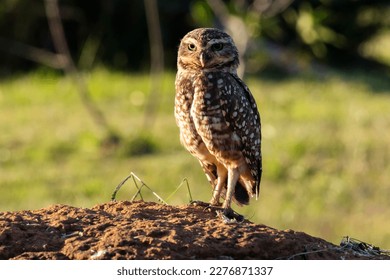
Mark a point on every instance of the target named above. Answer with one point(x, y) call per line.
point(196, 100)
point(202, 114)
point(207, 110)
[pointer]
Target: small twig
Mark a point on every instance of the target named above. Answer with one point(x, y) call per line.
point(72, 234)
point(358, 247)
point(113, 196)
point(138, 188)
point(188, 188)
point(135, 177)
point(363, 248)
point(181, 184)
point(312, 252)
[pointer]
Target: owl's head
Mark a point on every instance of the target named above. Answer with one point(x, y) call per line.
point(207, 49)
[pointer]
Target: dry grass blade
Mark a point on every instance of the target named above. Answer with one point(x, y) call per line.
point(181, 184)
point(138, 193)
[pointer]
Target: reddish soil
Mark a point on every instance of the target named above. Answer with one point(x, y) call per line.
point(146, 230)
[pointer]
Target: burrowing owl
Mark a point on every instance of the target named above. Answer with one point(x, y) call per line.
point(217, 116)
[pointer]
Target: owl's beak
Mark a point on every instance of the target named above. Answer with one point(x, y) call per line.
point(204, 58)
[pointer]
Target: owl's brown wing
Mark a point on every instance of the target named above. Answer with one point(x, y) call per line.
point(246, 124)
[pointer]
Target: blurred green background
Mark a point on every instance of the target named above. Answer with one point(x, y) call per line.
point(87, 94)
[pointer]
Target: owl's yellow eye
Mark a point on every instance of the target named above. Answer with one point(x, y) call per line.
point(217, 47)
point(192, 47)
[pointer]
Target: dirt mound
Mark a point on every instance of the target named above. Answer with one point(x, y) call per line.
point(146, 230)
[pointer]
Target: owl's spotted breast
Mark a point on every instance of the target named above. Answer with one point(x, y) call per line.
point(210, 115)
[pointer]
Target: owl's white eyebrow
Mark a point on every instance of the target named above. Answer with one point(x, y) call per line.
point(191, 40)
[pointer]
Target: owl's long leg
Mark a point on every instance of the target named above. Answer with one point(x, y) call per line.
point(233, 175)
point(222, 175)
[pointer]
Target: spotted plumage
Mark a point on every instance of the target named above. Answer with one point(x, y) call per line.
point(217, 116)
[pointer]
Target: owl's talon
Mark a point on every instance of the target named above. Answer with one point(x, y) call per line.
point(206, 206)
point(199, 203)
point(229, 216)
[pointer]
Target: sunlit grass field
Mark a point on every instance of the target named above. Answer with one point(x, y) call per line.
point(326, 149)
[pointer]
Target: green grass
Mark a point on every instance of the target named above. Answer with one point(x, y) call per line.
point(326, 149)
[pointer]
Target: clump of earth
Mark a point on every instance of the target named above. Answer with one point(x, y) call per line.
point(148, 230)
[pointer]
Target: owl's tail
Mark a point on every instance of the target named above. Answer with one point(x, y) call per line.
point(241, 196)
